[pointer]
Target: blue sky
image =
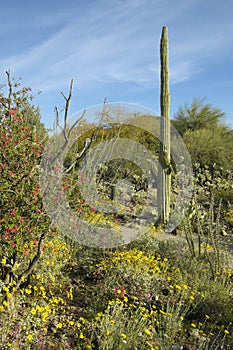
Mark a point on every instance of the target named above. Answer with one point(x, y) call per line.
point(111, 48)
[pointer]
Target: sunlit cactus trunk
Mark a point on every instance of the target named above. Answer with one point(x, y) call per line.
point(164, 172)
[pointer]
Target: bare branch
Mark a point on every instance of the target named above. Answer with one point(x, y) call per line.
point(67, 102)
point(79, 156)
point(10, 88)
point(32, 264)
point(56, 122)
point(93, 136)
point(77, 121)
point(104, 107)
point(7, 161)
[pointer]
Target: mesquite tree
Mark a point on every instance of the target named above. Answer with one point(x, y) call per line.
point(164, 190)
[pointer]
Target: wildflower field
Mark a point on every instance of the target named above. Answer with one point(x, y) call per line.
point(159, 292)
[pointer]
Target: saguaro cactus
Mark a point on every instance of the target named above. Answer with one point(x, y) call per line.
point(164, 172)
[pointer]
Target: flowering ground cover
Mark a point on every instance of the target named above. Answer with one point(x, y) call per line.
point(56, 294)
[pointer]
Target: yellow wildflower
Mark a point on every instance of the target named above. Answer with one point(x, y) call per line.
point(30, 337)
point(28, 291)
point(4, 261)
point(33, 311)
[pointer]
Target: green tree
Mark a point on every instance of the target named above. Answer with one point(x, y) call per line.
point(211, 147)
point(197, 116)
point(208, 139)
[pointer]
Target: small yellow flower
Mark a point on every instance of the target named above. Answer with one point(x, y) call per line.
point(81, 336)
point(123, 335)
point(193, 325)
point(39, 308)
point(147, 331)
point(33, 311)
point(6, 289)
point(59, 325)
point(30, 337)
point(44, 316)
point(4, 261)
point(28, 291)
point(152, 347)
point(226, 331)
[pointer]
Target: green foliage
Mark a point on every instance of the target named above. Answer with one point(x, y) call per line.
point(211, 147)
point(208, 139)
point(27, 244)
point(19, 99)
point(197, 116)
point(152, 301)
point(22, 216)
point(23, 219)
point(55, 294)
point(111, 172)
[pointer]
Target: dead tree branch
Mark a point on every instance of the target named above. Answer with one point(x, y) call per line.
point(9, 87)
point(32, 264)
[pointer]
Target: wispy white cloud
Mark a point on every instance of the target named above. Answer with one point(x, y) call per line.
point(114, 42)
point(102, 42)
